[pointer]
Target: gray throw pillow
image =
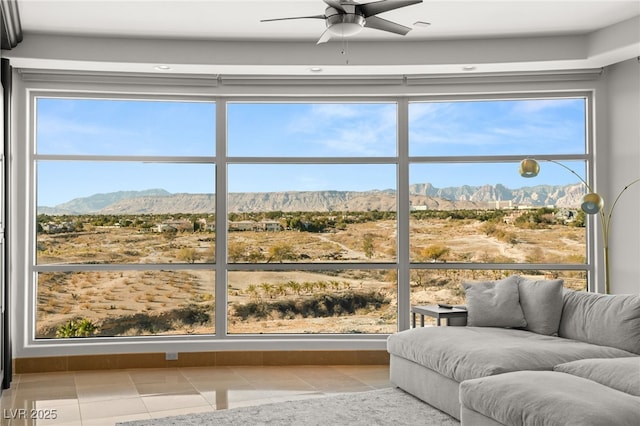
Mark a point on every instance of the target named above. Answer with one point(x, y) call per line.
point(541, 302)
point(602, 319)
point(494, 303)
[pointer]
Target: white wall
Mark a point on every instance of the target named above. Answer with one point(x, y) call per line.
point(623, 134)
point(617, 94)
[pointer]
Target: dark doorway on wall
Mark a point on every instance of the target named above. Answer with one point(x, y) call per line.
point(5, 337)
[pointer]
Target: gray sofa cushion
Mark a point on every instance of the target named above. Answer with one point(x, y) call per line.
point(462, 353)
point(622, 374)
point(609, 320)
point(494, 303)
point(548, 398)
point(541, 302)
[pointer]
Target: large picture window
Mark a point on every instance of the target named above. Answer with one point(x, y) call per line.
point(309, 184)
point(469, 207)
point(125, 217)
point(234, 217)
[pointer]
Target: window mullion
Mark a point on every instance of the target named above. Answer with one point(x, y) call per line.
point(402, 222)
point(221, 220)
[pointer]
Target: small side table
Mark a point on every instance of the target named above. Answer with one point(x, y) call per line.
point(458, 314)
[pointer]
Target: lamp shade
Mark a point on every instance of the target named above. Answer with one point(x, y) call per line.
point(529, 168)
point(592, 203)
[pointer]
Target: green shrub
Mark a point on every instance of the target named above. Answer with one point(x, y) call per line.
point(76, 328)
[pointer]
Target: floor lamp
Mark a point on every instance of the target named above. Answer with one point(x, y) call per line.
point(592, 203)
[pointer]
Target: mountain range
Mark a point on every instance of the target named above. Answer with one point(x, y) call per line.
point(422, 196)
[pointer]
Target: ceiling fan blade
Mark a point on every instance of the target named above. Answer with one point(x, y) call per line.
point(374, 8)
point(296, 17)
point(378, 23)
point(336, 5)
point(325, 37)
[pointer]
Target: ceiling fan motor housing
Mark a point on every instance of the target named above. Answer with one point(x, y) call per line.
point(344, 24)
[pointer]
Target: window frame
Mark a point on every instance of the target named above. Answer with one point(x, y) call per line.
point(36, 268)
point(222, 340)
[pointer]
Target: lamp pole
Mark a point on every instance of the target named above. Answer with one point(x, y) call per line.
point(592, 203)
point(606, 227)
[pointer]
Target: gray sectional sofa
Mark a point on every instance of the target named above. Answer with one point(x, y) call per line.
point(529, 363)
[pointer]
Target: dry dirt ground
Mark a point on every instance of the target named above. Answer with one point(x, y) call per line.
point(181, 302)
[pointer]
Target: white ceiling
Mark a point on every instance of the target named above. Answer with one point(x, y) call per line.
point(240, 19)
point(579, 24)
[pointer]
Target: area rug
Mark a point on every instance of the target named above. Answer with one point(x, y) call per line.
point(389, 406)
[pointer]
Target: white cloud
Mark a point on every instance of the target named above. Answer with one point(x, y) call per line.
point(348, 129)
point(537, 105)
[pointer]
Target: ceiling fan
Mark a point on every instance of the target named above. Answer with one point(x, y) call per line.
point(345, 18)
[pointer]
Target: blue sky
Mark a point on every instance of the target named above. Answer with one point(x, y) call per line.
point(158, 128)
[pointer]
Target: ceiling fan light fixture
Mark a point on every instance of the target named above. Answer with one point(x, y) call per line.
point(345, 25)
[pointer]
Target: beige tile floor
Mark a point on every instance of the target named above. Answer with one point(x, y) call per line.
point(97, 398)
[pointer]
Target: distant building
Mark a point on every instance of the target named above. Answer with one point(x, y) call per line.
point(203, 225)
point(566, 215)
point(175, 225)
point(242, 225)
point(270, 225)
point(504, 204)
point(250, 225)
point(57, 228)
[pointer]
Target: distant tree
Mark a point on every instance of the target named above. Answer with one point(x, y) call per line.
point(282, 289)
point(536, 219)
point(367, 245)
point(268, 290)
point(434, 252)
point(322, 285)
point(170, 235)
point(236, 251)
point(252, 290)
point(255, 255)
point(281, 251)
point(580, 220)
point(536, 255)
point(489, 228)
point(294, 286)
point(273, 215)
point(419, 276)
point(308, 287)
point(188, 254)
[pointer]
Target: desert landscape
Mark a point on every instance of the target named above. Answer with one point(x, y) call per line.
point(182, 300)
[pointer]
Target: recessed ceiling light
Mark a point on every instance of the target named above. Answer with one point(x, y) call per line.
point(468, 68)
point(315, 69)
point(162, 67)
point(421, 24)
